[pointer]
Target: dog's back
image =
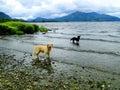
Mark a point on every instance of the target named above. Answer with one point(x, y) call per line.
point(75, 39)
point(72, 38)
point(38, 49)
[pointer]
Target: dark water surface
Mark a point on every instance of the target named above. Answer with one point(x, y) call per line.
point(99, 47)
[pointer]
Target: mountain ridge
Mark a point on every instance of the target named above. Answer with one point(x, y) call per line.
point(4, 16)
point(72, 17)
point(82, 16)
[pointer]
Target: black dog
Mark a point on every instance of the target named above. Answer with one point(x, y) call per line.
point(75, 39)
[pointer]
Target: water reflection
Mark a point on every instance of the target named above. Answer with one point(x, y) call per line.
point(76, 43)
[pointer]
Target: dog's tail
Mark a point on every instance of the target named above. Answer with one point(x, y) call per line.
point(34, 54)
point(71, 39)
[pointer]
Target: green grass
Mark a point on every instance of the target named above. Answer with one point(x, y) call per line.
point(19, 28)
point(43, 29)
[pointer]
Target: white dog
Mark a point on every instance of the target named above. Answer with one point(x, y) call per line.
point(44, 49)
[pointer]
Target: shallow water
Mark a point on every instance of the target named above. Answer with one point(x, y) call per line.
point(98, 48)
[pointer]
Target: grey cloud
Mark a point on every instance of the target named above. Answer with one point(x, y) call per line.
point(56, 8)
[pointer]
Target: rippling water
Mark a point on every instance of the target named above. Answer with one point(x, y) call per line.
point(99, 47)
point(96, 37)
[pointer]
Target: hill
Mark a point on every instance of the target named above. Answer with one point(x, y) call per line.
point(4, 16)
point(92, 16)
point(38, 19)
point(82, 16)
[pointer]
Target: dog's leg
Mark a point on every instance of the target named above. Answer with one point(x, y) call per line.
point(36, 54)
point(77, 42)
point(49, 55)
point(44, 55)
point(73, 41)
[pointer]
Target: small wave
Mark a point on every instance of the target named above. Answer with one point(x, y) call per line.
point(102, 40)
point(57, 37)
point(15, 50)
point(99, 52)
point(73, 34)
point(87, 68)
point(86, 34)
point(116, 36)
point(79, 50)
point(89, 51)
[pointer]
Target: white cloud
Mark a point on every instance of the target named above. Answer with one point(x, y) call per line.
point(55, 8)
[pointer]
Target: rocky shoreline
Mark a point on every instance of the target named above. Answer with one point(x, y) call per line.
point(19, 72)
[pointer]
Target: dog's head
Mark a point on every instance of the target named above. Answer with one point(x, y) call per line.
point(78, 36)
point(49, 45)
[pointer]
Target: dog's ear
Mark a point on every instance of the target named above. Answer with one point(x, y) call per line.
point(49, 45)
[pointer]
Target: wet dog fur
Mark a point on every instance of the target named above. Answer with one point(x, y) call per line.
point(75, 39)
point(42, 49)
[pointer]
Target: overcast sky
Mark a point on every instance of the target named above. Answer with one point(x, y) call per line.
point(55, 8)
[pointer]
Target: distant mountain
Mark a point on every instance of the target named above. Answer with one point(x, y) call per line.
point(92, 16)
point(73, 17)
point(38, 19)
point(4, 16)
point(82, 16)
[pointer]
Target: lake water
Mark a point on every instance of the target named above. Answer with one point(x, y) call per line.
point(99, 47)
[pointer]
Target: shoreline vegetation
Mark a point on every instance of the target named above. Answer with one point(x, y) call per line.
point(20, 28)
